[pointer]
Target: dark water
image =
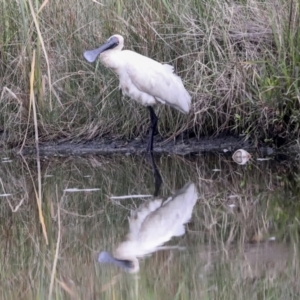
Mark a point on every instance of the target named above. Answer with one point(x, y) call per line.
point(241, 241)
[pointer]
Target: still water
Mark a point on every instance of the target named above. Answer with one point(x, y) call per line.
point(216, 229)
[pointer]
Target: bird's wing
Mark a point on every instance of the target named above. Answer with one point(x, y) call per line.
point(158, 80)
point(168, 220)
point(139, 215)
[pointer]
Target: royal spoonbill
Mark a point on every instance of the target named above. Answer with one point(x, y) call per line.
point(151, 225)
point(142, 79)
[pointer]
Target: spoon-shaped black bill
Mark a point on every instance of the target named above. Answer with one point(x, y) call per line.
point(91, 55)
point(106, 258)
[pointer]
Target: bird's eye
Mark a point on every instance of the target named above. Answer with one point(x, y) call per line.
point(113, 39)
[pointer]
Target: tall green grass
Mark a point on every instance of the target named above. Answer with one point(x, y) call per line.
point(239, 60)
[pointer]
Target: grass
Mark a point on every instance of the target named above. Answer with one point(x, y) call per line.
point(239, 61)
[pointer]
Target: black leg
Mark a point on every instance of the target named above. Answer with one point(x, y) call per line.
point(153, 119)
point(157, 176)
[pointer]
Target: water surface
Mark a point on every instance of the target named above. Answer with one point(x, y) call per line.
point(241, 241)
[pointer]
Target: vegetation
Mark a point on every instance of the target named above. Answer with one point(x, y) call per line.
point(238, 59)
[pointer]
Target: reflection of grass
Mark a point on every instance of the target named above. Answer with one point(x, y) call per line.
point(217, 263)
point(239, 60)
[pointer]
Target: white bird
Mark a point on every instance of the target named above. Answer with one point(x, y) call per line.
point(142, 79)
point(151, 225)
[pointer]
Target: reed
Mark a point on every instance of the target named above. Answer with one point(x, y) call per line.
point(239, 60)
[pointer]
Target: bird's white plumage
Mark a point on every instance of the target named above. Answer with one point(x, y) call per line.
point(146, 80)
point(154, 223)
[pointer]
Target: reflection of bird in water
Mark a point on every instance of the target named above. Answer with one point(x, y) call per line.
point(151, 225)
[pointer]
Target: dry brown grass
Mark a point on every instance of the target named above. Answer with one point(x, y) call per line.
point(239, 61)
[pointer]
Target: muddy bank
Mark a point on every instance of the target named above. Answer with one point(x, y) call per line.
point(178, 147)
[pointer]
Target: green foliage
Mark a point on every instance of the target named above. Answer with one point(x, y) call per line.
point(239, 61)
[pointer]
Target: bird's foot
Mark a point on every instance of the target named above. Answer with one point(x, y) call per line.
point(149, 147)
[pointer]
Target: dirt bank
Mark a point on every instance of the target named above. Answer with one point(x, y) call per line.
point(178, 147)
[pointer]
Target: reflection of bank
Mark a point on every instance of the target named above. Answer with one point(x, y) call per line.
point(150, 226)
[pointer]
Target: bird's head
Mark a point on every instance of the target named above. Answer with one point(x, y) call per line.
point(130, 265)
point(115, 42)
